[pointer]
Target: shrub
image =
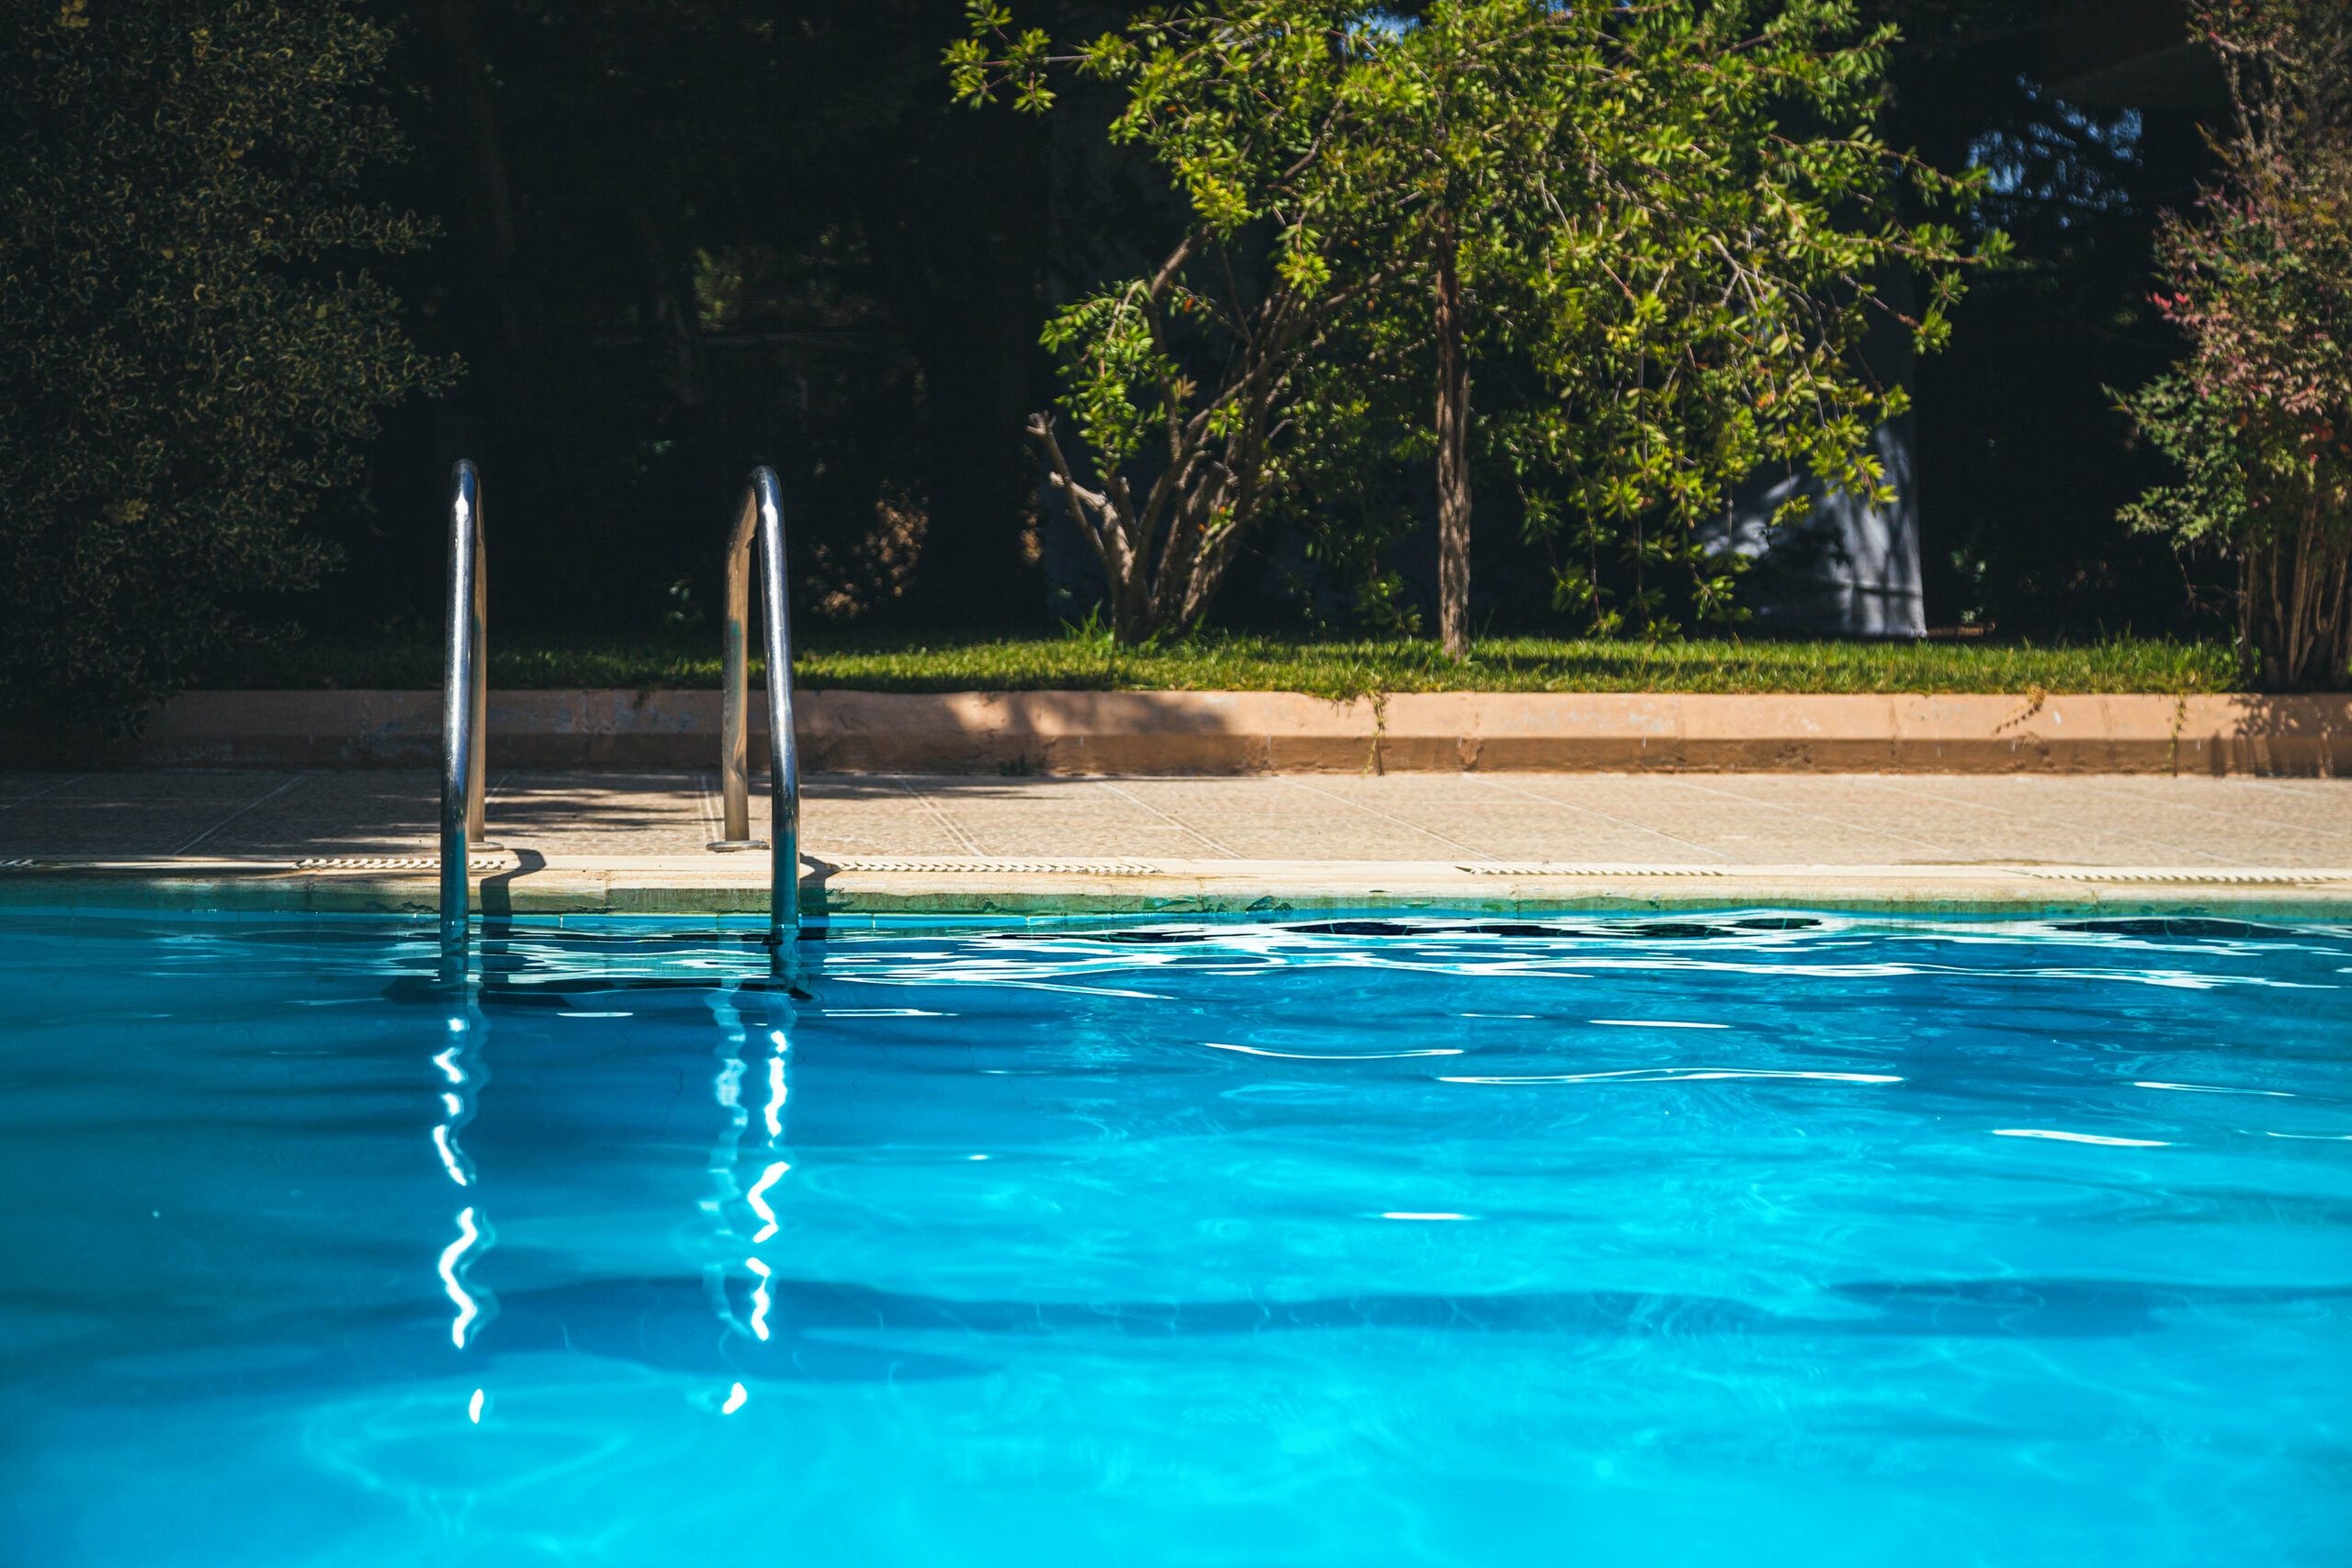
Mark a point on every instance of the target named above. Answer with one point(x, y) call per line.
point(2258, 414)
point(188, 356)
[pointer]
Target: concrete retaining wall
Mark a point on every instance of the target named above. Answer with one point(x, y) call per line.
point(1239, 732)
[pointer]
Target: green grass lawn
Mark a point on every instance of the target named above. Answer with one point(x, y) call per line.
point(1331, 668)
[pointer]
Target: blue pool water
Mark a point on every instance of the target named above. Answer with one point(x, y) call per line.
point(1742, 1239)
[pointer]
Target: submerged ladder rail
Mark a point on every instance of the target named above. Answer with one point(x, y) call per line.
point(464, 697)
point(761, 519)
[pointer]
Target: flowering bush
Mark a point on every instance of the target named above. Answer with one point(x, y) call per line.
point(2258, 414)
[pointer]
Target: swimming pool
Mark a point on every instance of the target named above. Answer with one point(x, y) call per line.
point(1750, 1238)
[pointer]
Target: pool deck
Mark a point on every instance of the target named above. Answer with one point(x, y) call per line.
point(623, 842)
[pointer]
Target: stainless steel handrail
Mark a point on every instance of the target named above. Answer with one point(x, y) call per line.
point(464, 696)
point(762, 514)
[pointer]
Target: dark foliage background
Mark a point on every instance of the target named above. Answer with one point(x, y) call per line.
point(192, 346)
point(2024, 459)
point(883, 260)
point(678, 237)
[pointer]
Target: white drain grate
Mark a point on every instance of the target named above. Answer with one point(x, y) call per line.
point(2138, 877)
point(983, 867)
point(395, 862)
point(1555, 868)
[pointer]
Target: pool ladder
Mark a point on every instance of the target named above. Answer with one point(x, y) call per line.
point(464, 702)
point(760, 517)
point(464, 698)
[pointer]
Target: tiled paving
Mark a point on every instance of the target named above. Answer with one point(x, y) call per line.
point(1728, 820)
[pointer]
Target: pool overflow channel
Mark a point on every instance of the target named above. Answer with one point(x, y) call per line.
point(464, 706)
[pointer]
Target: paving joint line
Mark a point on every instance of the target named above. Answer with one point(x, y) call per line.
point(2282, 786)
point(955, 828)
point(1604, 815)
point(1385, 816)
point(1817, 816)
point(2210, 811)
point(1884, 786)
point(249, 806)
point(1132, 800)
point(69, 784)
point(713, 815)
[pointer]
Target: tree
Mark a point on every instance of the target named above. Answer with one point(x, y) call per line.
point(2258, 414)
point(187, 364)
point(1675, 221)
point(1674, 215)
point(1185, 382)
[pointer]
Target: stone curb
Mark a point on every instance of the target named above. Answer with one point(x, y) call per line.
point(1247, 732)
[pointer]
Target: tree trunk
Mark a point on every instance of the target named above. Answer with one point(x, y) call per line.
point(1452, 458)
point(2296, 593)
point(468, 118)
point(673, 324)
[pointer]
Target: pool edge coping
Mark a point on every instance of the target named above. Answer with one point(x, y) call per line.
point(678, 886)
